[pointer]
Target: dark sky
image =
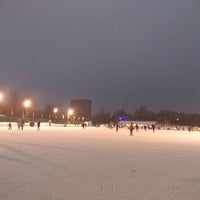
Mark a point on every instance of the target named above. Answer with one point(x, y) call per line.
point(118, 53)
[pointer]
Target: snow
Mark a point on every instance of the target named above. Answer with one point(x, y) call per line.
point(71, 163)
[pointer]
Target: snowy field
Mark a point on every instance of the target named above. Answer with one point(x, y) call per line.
point(69, 163)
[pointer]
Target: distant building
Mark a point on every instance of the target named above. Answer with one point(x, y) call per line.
point(82, 109)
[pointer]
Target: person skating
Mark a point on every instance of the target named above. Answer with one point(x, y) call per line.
point(22, 124)
point(153, 127)
point(9, 126)
point(117, 126)
point(131, 127)
point(38, 124)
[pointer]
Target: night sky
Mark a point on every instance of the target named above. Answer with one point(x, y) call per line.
point(118, 53)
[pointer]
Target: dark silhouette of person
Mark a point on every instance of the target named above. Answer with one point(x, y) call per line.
point(19, 124)
point(9, 126)
point(38, 124)
point(131, 127)
point(137, 127)
point(22, 124)
point(117, 127)
point(83, 125)
point(153, 127)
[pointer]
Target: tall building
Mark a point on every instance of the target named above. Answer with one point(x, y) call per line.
point(82, 108)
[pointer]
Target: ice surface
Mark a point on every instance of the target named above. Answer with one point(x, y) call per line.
point(66, 163)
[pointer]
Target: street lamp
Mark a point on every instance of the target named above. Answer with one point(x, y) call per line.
point(27, 104)
point(55, 110)
point(70, 112)
point(1, 96)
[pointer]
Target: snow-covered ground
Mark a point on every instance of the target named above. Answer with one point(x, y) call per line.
point(71, 163)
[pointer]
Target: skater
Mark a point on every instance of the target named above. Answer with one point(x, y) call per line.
point(83, 125)
point(131, 127)
point(9, 126)
point(19, 124)
point(38, 125)
point(137, 127)
point(22, 124)
point(153, 127)
point(117, 127)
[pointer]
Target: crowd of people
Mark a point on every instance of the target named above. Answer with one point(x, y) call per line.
point(21, 123)
point(132, 127)
point(136, 127)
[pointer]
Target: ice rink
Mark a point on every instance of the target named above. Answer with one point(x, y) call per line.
point(63, 163)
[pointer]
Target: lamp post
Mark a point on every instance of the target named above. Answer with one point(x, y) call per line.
point(55, 110)
point(27, 104)
point(70, 112)
point(1, 96)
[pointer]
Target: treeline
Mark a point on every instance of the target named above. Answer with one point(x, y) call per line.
point(165, 117)
point(12, 107)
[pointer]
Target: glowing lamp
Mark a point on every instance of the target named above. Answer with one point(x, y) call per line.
point(27, 103)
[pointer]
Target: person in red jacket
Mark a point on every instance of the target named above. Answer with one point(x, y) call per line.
point(131, 127)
